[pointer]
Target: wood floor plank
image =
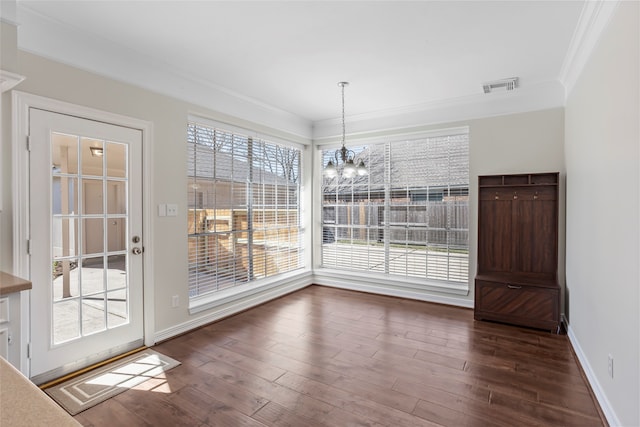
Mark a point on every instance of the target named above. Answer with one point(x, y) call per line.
point(330, 357)
point(580, 402)
point(449, 417)
point(291, 400)
point(317, 372)
point(384, 396)
point(352, 403)
point(210, 411)
point(549, 415)
point(110, 413)
point(440, 359)
point(155, 409)
point(234, 396)
point(467, 403)
point(262, 369)
point(483, 371)
point(273, 414)
point(273, 391)
point(185, 349)
point(382, 346)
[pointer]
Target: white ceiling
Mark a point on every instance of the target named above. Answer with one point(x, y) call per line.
point(290, 55)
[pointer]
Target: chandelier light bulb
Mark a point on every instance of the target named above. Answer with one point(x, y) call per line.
point(362, 169)
point(330, 170)
point(349, 169)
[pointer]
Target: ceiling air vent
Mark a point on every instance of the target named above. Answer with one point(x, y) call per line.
point(508, 84)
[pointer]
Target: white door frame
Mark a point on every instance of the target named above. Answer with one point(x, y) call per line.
point(21, 103)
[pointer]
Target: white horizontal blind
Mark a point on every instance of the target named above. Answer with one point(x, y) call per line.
point(408, 217)
point(244, 210)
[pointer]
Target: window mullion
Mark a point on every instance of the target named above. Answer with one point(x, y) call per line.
point(387, 206)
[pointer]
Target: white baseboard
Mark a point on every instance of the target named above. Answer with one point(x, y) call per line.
point(230, 309)
point(608, 411)
point(390, 290)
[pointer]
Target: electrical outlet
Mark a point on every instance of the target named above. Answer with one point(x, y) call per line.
point(175, 301)
point(610, 365)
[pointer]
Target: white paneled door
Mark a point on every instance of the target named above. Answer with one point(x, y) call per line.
point(86, 244)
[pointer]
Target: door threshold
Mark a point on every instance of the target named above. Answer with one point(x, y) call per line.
point(90, 368)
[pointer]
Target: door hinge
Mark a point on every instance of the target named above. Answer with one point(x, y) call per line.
point(28, 246)
point(28, 142)
point(28, 350)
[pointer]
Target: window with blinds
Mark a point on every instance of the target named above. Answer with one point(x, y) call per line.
point(243, 209)
point(409, 217)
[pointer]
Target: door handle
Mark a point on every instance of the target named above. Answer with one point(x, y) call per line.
point(136, 251)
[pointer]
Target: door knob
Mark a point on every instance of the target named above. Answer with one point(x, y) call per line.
point(136, 251)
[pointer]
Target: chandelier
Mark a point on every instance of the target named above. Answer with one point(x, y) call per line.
point(348, 157)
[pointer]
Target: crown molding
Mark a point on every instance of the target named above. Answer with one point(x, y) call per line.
point(53, 40)
point(532, 97)
point(9, 80)
point(593, 20)
point(8, 12)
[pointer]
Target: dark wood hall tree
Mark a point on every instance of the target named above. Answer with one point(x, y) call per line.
point(516, 281)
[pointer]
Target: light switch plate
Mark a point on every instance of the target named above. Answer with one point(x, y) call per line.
point(162, 209)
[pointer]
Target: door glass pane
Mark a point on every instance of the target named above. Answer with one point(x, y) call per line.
point(93, 314)
point(65, 279)
point(116, 228)
point(64, 237)
point(117, 273)
point(92, 194)
point(117, 308)
point(64, 153)
point(116, 197)
point(92, 154)
point(116, 160)
point(66, 316)
point(92, 275)
point(89, 227)
point(65, 195)
point(93, 230)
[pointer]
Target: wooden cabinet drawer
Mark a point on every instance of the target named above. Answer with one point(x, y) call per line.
point(524, 305)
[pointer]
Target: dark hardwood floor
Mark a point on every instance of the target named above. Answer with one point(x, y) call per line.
point(330, 357)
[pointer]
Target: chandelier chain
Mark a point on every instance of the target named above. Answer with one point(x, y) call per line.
point(343, 126)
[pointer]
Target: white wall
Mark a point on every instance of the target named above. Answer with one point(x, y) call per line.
point(602, 159)
point(8, 62)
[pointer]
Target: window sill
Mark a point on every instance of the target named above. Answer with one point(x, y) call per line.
point(416, 286)
point(248, 291)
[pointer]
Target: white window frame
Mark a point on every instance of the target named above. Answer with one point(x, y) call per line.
point(229, 300)
point(386, 284)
